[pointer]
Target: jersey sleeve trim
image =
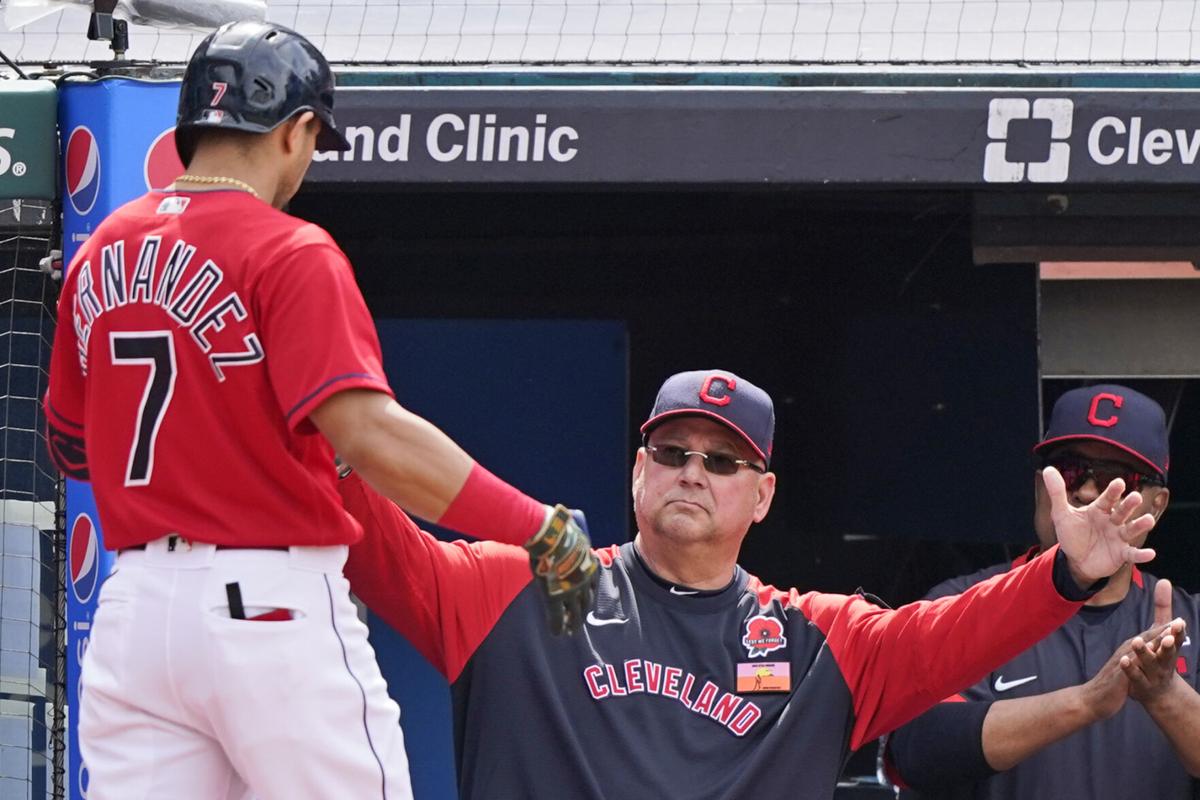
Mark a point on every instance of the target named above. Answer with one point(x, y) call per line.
point(338, 383)
point(899, 663)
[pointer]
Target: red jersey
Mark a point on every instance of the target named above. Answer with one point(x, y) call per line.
point(196, 332)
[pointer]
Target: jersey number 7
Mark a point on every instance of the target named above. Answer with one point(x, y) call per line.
point(155, 349)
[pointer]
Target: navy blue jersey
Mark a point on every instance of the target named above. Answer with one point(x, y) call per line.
point(747, 692)
point(1123, 757)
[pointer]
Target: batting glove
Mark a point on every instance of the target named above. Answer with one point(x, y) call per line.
point(564, 568)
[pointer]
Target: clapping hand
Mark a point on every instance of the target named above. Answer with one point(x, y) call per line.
point(1150, 667)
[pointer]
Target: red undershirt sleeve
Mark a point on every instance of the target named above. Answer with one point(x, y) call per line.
point(488, 508)
point(444, 597)
point(899, 663)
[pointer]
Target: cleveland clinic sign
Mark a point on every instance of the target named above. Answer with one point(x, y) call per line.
point(481, 136)
point(1112, 140)
point(755, 136)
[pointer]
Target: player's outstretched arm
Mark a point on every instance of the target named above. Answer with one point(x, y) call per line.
point(411, 462)
point(900, 663)
point(1149, 664)
point(401, 454)
point(444, 597)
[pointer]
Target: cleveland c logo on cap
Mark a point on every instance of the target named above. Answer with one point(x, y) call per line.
point(730, 385)
point(1094, 411)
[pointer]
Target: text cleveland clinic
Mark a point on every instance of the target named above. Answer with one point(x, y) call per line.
point(461, 137)
point(1112, 140)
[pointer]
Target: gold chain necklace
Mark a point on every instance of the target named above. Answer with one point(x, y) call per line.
point(213, 179)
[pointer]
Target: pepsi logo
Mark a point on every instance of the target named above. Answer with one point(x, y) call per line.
point(83, 169)
point(84, 548)
point(162, 161)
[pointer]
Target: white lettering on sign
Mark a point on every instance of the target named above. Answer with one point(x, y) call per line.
point(482, 137)
point(1112, 140)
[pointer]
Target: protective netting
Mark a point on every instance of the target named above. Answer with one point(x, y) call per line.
point(32, 614)
point(684, 31)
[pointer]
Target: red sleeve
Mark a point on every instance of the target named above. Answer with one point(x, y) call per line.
point(899, 663)
point(64, 404)
point(444, 597)
point(317, 333)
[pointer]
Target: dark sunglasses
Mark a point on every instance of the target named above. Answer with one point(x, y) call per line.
point(1076, 471)
point(717, 463)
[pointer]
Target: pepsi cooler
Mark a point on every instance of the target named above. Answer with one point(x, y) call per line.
point(117, 142)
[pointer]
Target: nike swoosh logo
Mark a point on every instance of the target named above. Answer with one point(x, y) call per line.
point(1186, 640)
point(675, 590)
point(1003, 685)
point(592, 619)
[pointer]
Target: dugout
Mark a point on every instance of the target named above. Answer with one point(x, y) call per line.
point(863, 245)
point(914, 263)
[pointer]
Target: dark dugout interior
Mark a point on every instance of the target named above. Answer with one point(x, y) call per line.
point(905, 377)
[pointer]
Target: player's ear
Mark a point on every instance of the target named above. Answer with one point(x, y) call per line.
point(1158, 503)
point(766, 493)
point(299, 129)
point(639, 467)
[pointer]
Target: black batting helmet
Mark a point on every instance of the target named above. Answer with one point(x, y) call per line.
point(252, 76)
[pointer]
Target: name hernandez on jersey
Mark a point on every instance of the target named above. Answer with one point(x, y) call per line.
point(169, 293)
point(156, 279)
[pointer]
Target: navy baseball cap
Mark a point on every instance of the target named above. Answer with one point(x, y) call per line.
point(1113, 414)
point(723, 397)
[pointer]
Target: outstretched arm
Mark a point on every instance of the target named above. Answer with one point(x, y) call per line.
point(899, 663)
point(444, 597)
point(413, 463)
point(419, 467)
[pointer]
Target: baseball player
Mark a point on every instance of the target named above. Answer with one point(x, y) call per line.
point(1056, 721)
point(211, 353)
point(691, 678)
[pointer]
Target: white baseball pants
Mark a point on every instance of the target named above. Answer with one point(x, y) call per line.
point(182, 699)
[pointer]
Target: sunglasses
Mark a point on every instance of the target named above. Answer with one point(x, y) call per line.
point(717, 463)
point(1077, 471)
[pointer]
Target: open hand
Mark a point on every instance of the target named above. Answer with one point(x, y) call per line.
point(1096, 538)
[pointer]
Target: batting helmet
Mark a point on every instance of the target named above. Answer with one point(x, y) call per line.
point(252, 76)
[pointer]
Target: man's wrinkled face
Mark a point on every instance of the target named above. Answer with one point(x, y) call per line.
point(690, 504)
point(1106, 457)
